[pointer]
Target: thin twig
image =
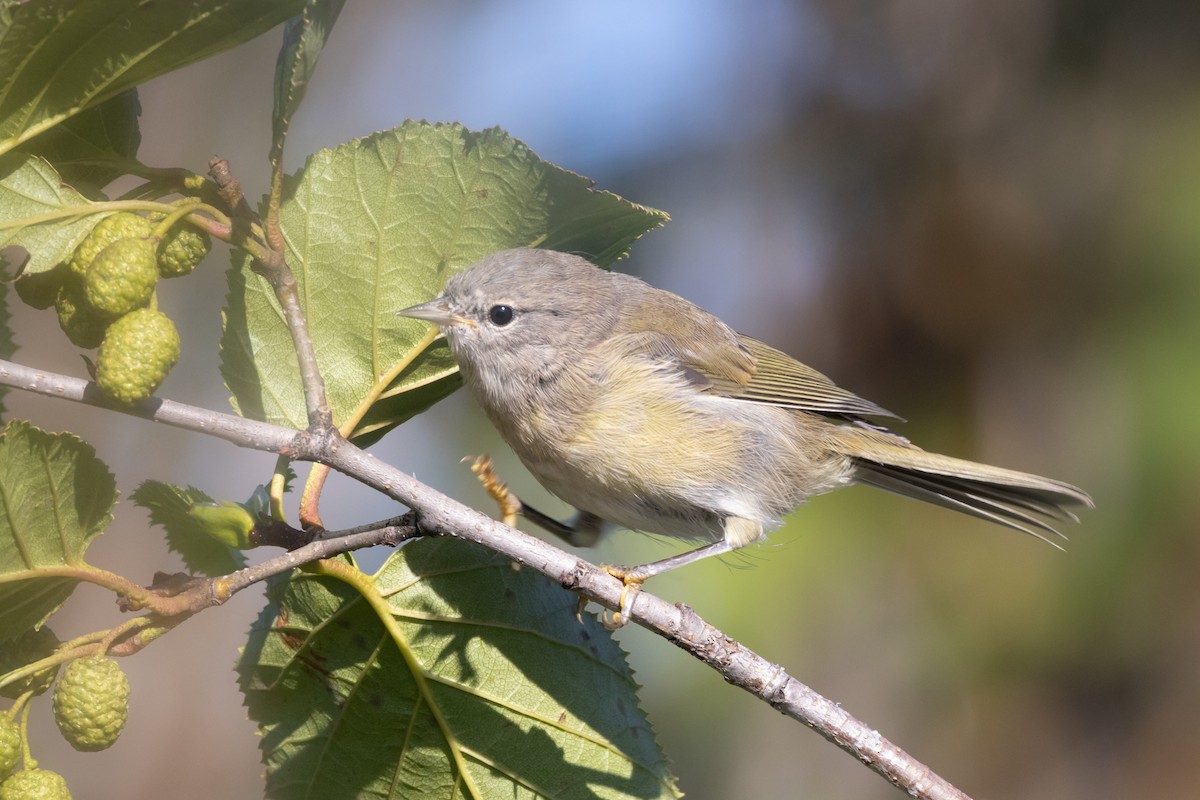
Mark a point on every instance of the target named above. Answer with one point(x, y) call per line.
point(439, 514)
point(201, 593)
point(272, 265)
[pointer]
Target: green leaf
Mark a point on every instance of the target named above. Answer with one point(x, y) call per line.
point(377, 225)
point(201, 539)
point(433, 377)
point(58, 57)
point(304, 38)
point(56, 496)
point(36, 212)
point(96, 146)
point(488, 686)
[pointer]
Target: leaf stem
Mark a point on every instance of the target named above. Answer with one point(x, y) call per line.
point(118, 584)
point(86, 210)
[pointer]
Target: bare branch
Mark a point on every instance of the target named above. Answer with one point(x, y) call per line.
point(439, 514)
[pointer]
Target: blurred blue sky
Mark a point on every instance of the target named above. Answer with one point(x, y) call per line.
point(593, 85)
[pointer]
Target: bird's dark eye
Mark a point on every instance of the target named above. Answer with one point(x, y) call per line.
point(500, 315)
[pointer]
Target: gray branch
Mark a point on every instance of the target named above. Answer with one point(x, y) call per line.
point(439, 514)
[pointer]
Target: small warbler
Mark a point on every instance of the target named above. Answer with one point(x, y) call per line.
point(646, 412)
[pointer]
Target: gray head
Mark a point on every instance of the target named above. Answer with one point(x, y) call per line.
point(514, 312)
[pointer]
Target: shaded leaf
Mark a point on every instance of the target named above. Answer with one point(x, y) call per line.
point(194, 536)
point(58, 57)
point(304, 38)
point(488, 687)
point(56, 496)
point(96, 146)
point(31, 188)
point(378, 224)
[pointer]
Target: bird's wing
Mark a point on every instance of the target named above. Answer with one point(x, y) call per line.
point(721, 361)
point(668, 328)
point(781, 380)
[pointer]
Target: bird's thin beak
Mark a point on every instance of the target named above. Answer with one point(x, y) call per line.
point(436, 311)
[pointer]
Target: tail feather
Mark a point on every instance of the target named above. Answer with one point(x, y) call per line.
point(1007, 513)
point(1018, 500)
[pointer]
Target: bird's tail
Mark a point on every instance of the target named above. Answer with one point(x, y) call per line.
point(1028, 503)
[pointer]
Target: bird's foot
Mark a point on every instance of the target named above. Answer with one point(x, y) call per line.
point(631, 580)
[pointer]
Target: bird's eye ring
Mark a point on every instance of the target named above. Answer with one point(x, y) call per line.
point(500, 315)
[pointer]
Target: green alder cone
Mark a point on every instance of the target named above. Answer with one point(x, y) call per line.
point(83, 326)
point(122, 277)
point(91, 703)
point(35, 784)
point(10, 745)
point(123, 225)
point(40, 289)
point(138, 351)
point(181, 250)
point(27, 648)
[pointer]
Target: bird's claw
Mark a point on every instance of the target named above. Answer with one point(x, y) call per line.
point(631, 586)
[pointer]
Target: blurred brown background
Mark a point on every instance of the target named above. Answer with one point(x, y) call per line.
point(983, 216)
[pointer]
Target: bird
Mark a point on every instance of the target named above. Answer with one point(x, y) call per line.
point(646, 412)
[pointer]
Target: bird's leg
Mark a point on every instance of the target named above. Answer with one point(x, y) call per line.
point(634, 577)
point(582, 531)
point(585, 529)
point(510, 504)
point(739, 532)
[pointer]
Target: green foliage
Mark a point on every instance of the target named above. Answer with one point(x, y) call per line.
point(35, 212)
point(91, 703)
point(59, 57)
point(138, 351)
point(472, 678)
point(56, 498)
point(358, 258)
point(206, 541)
point(476, 681)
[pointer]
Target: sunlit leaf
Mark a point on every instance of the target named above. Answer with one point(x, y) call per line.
point(56, 496)
point(33, 201)
point(58, 57)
